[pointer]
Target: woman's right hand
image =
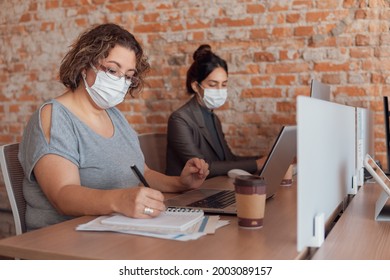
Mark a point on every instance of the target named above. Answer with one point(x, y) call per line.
point(133, 201)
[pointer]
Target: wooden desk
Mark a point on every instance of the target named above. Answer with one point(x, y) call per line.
point(357, 236)
point(276, 240)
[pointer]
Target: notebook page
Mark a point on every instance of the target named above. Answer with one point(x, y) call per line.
point(172, 219)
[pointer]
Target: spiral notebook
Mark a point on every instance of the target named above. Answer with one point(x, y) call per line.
point(172, 220)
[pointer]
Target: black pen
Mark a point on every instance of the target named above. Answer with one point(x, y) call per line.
point(139, 175)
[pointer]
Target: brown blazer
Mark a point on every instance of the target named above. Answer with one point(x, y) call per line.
point(188, 137)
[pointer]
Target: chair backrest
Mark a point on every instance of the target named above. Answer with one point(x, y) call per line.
point(13, 180)
point(154, 147)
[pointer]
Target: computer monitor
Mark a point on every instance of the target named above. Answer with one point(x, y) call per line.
point(387, 131)
point(319, 90)
point(364, 142)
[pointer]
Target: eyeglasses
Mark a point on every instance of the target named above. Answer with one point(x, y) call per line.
point(113, 73)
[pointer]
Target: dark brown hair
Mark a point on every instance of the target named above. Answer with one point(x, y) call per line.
point(95, 44)
point(205, 61)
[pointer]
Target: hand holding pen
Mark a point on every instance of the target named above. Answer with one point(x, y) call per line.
point(149, 211)
point(139, 175)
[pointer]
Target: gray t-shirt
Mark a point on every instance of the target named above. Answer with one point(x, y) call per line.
point(103, 163)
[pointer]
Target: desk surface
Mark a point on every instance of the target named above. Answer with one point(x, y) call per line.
point(357, 236)
point(276, 240)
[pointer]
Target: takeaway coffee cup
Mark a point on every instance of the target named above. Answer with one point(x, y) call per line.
point(250, 200)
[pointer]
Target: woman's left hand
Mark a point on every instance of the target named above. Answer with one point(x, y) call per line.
point(194, 173)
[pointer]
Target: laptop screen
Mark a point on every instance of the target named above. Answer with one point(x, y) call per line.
point(280, 157)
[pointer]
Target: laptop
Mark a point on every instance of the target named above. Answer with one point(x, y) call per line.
point(220, 201)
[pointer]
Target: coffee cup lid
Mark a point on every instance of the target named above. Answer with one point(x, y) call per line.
point(249, 180)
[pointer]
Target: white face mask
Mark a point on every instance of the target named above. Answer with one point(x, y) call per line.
point(214, 98)
point(106, 92)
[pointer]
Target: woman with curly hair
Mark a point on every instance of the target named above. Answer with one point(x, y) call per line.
point(77, 149)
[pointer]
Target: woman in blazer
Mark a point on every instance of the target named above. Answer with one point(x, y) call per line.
point(194, 130)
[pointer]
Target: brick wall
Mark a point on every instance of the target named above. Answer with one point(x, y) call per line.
point(273, 48)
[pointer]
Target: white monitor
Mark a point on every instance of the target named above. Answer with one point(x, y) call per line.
point(364, 142)
point(319, 90)
point(326, 164)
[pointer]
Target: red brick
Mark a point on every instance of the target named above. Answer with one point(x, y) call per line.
point(51, 4)
point(25, 17)
point(164, 6)
point(82, 22)
point(330, 67)
point(282, 32)
point(234, 22)
point(360, 14)
point(288, 119)
point(4, 77)
point(292, 18)
point(47, 26)
point(261, 92)
point(121, 7)
point(329, 4)
point(333, 79)
point(361, 52)
point(317, 16)
point(150, 28)
point(304, 31)
point(198, 36)
point(252, 118)
point(6, 138)
point(156, 119)
point(151, 17)
point(285, 107)
point(259, 33)
point(287, 68)
point(377, 78)
point(19, 68)
point(349, 3)
point(255, 9)
point(362, 40)
point(261, 81)
point(252, 69)
point(349, 91)
point(70, 3)
point(304, 90)
point(288, 55)
point(277, 7)
point(264, 56)
point(379, 65)
point(285, 80)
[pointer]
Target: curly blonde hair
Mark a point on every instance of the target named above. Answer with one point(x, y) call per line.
point(95, 44)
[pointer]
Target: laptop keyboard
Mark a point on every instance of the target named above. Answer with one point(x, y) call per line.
point(219, 200)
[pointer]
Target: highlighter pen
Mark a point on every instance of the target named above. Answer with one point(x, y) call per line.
point(139, 175)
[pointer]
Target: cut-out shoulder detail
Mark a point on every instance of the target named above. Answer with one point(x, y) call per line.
point(45, 113)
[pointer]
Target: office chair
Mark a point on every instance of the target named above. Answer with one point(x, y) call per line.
point(13, 179)
point(387, 130)
point(154, 147)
